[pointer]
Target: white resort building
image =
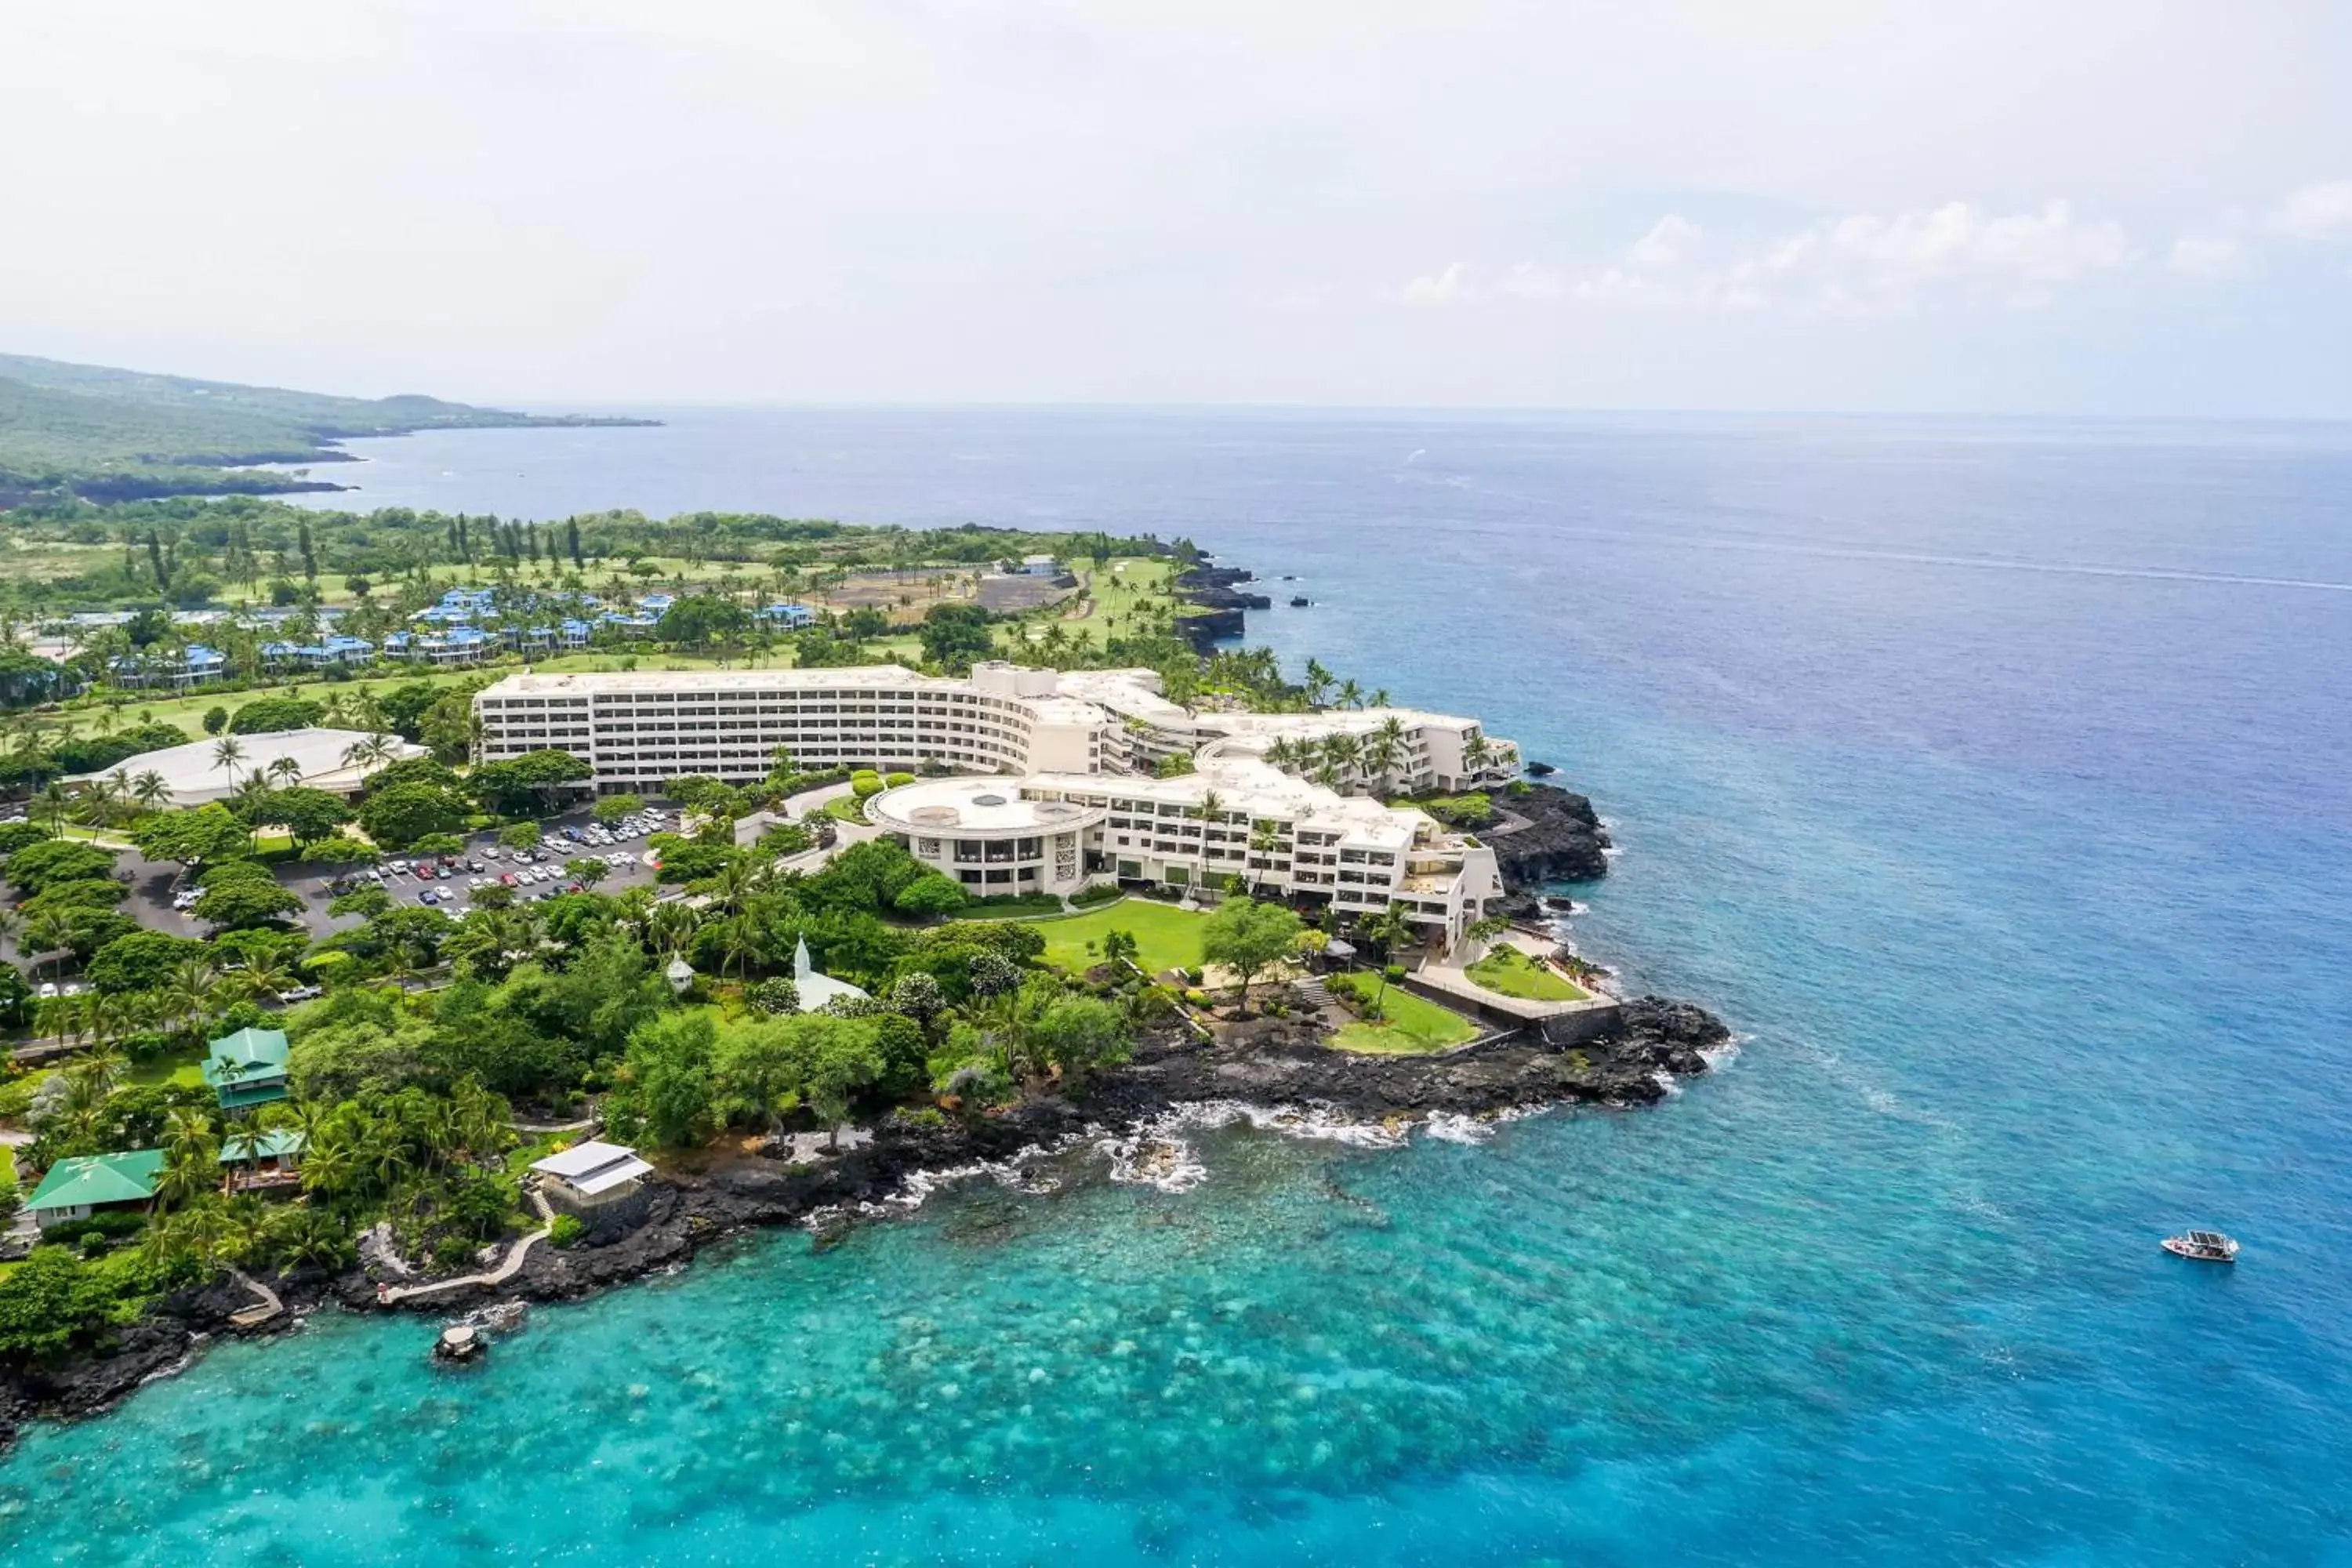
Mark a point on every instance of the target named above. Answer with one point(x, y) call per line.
point(1070, 794)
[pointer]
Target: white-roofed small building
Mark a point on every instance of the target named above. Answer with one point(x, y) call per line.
point(814, 990)
point(601, 1184)
point(340, 762)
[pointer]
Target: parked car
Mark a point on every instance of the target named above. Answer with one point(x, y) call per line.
point(396, 866)
point(506, 878)
point(489, 851)
point(299, 994)
point(474, 866)
point(48, 992)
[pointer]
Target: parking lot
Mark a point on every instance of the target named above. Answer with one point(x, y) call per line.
point(448, 882)
point(156, 884)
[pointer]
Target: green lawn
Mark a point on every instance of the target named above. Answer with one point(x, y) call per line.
point(1511, 972)
point(184, 1071)
point(1166, 937)
point(1124, 584)
point(1413, 1027)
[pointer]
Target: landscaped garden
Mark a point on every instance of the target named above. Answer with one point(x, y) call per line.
point(1165, 936)
point(1511, 972)
point(1407, 1026)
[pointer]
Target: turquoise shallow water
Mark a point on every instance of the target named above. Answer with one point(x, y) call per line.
point(1956, 764)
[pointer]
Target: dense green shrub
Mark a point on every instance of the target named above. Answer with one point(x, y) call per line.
point(1094, 893)
point(271, 714)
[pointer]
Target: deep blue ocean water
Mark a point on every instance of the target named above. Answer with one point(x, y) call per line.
point(1991, 777)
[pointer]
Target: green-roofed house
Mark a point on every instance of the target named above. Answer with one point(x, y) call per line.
point(261, 1161)
point(77, 1187)
point(247, 1068)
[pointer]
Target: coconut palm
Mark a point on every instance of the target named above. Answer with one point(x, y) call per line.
point(151, 790)
point(227, 751)
point(1475, 752)
point(285, 772)
point(1341, 754)
point(1383, 747)
point(1351, 695)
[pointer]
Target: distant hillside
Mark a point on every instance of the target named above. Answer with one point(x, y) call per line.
point(120, 434)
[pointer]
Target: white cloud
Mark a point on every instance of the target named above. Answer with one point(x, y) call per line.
point(1531, 280)
point(1450, 287)
point(1668, 241)
point(2209, 255)
point(1865, 263)
point(2314, 212)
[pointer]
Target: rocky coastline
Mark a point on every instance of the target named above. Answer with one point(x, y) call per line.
point(1270, 1063)
point(1219, 604)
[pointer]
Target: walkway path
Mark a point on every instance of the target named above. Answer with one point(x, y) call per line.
point(582, 1125)
point(505, 1271)
point(269, 1306)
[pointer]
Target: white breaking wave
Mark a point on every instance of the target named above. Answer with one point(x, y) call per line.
point(1453, 1127)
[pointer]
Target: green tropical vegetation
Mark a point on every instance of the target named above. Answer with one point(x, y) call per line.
point(1512, 973)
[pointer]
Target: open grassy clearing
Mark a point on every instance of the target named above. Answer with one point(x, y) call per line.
point(184, 1070)
point(1510, 972)
point(1165, 937)
point(1414, 1027)
point(1124, 584)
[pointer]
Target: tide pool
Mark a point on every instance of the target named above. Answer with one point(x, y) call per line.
point(1992, 779)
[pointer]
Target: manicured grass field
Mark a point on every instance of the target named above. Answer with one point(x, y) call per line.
point(184, 1071)
point(1166, 937)
point(1511, 972)
point(1413, 1027)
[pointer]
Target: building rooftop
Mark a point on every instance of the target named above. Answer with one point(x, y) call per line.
point(85, 1179)
point(275, 1144)
point(594, 1167)
point(1247, 785)
point(249, 1054)
point(981, 805)
point(195, 778)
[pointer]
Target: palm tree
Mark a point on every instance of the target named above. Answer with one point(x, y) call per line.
point(1340, 753)
point(1475, 752)
point(55, 801)
point(1319, 683)
point(1350, 694)
point(286, 771)
point(151, 791)
point(227, 751)
point(370, 751)
point(1389, 928)
point(1266, 837)
point(1383, 747)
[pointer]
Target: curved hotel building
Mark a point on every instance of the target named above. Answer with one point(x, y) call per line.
point(1067, 796)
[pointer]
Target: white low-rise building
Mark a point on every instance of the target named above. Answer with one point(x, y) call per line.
point(340, 762)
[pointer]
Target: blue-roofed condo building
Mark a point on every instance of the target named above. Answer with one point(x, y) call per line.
point(197, 665)
point(787, 616)
point(338, 649)
point(246, 1068)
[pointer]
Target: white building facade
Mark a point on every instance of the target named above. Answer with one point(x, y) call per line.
point(1070, 798)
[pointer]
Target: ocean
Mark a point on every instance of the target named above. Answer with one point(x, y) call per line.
point(1993, 778)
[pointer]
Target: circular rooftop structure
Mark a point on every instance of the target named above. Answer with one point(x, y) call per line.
point(975, 808)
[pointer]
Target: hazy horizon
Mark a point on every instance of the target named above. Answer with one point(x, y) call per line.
point(2121, 210)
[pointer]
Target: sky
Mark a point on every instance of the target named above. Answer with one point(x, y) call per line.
point(2094, 207)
